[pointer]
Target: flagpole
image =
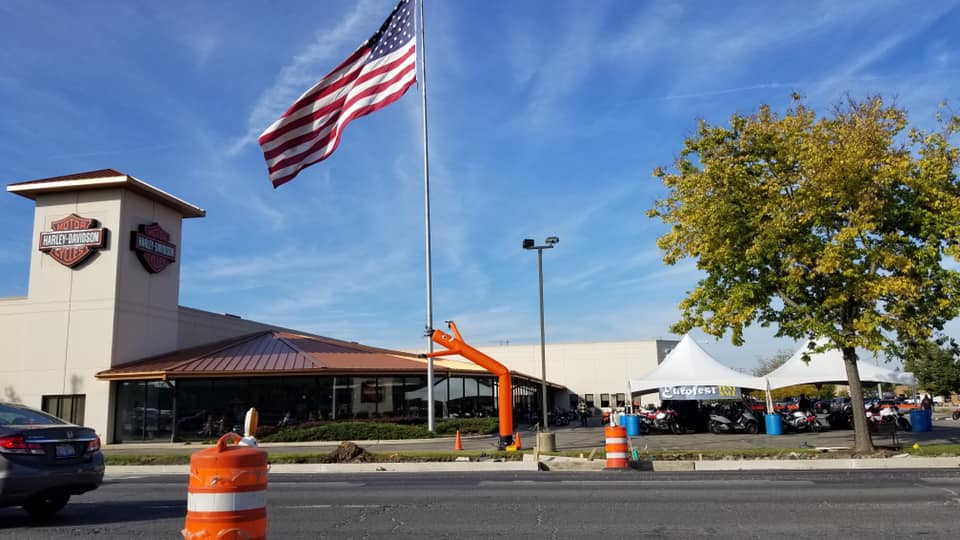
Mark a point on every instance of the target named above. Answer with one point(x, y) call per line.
point(431, 413)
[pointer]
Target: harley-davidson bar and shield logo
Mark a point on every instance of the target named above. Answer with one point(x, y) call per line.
point(73, 239)
point(153, 247)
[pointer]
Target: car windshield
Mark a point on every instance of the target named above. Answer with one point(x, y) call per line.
point(15, 415)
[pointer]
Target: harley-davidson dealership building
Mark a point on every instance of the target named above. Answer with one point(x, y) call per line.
point(101, 340)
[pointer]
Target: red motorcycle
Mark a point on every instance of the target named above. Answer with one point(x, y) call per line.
point(662, 420)
point(956, 413)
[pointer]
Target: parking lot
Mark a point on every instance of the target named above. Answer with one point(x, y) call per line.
point(945, 431)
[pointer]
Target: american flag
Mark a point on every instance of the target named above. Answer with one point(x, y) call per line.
point(374, 76)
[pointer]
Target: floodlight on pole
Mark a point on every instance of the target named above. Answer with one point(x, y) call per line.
point(530, 244)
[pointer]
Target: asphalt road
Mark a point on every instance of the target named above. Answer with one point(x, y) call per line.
point(854, 504)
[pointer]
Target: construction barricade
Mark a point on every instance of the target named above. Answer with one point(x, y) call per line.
point(227, 493)
point(616, 447)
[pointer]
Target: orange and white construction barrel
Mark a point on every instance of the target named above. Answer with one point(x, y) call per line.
point(227, 494)
point(616, 447)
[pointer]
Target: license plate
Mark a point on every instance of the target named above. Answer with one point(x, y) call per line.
point(66, 450)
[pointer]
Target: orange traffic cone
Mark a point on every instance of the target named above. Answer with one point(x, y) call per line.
point(457, 445)
point(516, 440)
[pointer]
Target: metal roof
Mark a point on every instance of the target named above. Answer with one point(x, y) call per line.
point(275, 352)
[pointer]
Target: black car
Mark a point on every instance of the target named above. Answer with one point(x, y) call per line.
point(44, 460)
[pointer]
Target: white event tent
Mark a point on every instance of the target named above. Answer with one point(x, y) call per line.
point(827, 367)
point(689, 365)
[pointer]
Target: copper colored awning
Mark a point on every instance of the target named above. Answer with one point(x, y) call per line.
point(276, 353)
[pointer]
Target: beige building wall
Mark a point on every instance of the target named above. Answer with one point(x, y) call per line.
point(198, 327)
point(587, 368)
point(108, 310)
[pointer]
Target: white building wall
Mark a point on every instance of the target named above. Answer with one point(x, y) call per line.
point(146, 303)
point(586, 368)
point(198, 327)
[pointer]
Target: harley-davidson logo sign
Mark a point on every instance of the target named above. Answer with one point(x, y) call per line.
point(153, 247)
point(73, 239)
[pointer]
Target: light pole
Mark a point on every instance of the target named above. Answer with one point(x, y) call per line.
point(528, 243)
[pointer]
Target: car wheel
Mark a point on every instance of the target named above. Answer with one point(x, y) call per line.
point(45, 506)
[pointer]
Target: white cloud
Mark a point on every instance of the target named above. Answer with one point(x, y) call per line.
point(309, 66)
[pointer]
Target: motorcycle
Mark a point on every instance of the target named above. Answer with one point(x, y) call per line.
point(800, 421)
point(742, 421)
point(956, 413)
point(555, 418)
point(662, 420)
point(841, 419)
point(887, 415)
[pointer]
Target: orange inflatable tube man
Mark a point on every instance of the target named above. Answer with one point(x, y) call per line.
point(456, 345)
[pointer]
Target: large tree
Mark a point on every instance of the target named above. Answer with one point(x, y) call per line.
point(833, 226)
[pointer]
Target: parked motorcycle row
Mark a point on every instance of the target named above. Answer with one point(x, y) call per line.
point(741, 417)
point(876, 416)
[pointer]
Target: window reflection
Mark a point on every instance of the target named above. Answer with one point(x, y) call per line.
point(203, 409)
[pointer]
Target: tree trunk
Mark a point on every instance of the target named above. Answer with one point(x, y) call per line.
point(862, 441)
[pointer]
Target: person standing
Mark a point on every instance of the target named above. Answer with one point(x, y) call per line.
point(926, 404)
point(803, 404)
point(582, 411)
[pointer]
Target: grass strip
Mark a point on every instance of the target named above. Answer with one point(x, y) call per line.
point(139, 459)
point(375, 457)
point(934, 450)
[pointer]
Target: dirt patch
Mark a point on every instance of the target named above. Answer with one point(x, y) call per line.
point(349, 452)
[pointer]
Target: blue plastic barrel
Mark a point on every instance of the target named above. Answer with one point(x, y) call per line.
point(632, 423)
point(774, 426)
point(920, 421)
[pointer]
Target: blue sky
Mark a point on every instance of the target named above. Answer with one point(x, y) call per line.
point(546, 118)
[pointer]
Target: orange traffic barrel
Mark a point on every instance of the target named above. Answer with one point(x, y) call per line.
point(227, 494)
point(616, 447)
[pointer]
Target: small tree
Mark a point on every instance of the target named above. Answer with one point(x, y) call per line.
point(767, 365)
point(935, 365)
point(830, 227)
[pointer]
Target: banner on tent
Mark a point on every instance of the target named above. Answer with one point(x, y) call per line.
point(699, 392)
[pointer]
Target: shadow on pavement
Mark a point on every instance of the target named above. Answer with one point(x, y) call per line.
point(96, 513)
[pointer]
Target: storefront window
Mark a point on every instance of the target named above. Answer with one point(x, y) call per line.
point(343, 400)
point(144, 411)
point(441, 391)
point(415, 396)
point(66, 407)
point(205, 409)
point(392, 390)
point(324, 398)
point(486, 401)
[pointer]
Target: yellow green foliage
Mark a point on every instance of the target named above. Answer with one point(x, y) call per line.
point(831, 226)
